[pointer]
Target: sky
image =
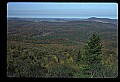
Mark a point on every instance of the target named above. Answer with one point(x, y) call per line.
point(62, 10)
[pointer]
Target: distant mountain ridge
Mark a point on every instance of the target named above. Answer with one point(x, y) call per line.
point(103, 20)
point(94, 19)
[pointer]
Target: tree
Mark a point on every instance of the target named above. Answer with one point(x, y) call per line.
point(78, 57)
point(93, 50)
point(93, 55)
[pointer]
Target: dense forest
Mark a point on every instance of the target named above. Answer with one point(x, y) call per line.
point(61, 49)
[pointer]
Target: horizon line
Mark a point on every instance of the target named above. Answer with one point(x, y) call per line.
point(63, 17)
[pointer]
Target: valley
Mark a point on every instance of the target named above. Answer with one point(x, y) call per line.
point(44, 47)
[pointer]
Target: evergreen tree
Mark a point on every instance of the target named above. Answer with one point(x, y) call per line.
point(93, 50)
point(93, 55)
point(78, 57)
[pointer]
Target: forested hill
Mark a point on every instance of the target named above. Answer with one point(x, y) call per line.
point(38, 47)
point(103, 20)
point(70, 32)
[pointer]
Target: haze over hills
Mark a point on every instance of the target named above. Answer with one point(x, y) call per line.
point(103, 20)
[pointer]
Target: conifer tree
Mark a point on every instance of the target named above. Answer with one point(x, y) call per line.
point(93, 55)
point(93, 50)
point(78, 57)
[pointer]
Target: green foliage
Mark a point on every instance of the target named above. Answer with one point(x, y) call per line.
point(34, 50)
point(93, 50)
point(70, 60)
point(79, 57)
point(61, 71)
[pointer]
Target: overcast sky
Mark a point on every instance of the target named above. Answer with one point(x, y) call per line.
point(62, 10)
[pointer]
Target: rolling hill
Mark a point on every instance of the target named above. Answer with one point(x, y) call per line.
point(48, 47)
